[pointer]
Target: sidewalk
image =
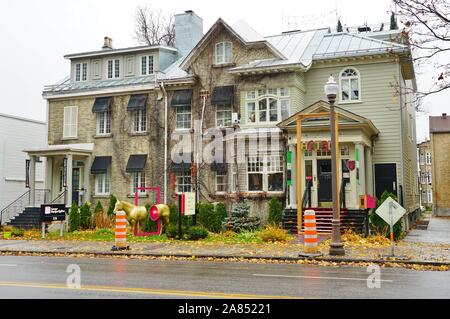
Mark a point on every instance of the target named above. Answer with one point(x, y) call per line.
point(438, 232)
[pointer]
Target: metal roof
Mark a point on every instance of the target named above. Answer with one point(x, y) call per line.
point(104, 52)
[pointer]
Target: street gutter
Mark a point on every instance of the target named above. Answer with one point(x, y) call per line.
point(230, 257)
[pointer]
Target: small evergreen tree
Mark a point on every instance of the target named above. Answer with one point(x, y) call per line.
point(394, 25)
point(74, 218)
point(380, 225)
point(275, 212)
point(86, 216)
point(339, 26)
point(98, 208)
point(112, 205)
point(240, 220)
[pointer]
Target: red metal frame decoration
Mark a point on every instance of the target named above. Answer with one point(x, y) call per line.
point(152, 215)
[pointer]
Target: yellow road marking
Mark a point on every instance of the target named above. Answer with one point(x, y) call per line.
point(147, 291)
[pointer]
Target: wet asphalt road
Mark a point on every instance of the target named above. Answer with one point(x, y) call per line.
point(46, 277)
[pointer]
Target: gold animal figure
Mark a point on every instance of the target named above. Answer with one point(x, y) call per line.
point(134, 213)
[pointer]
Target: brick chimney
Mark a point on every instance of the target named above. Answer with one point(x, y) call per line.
point(188, 31)
point(107, 44)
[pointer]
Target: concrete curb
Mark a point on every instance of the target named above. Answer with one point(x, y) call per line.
point(246, 257)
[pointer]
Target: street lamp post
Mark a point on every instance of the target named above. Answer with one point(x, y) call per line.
point(336, 246)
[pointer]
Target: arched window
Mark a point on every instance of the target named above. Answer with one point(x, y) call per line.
point(350, 85)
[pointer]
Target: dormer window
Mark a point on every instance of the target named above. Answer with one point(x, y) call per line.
point(81, 70)
point(147, 65)
point(113, 69)
point(224, 53)
point(350, 85)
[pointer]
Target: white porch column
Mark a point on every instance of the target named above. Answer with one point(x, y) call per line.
point(32, 180)
point(69, 179)
point(293, 189)
point(87, 175)
point(49, 177)
point(361, 164)
point(369, 172)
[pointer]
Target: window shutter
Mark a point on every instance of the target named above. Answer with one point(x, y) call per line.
point(74, 121)
point(66, 127)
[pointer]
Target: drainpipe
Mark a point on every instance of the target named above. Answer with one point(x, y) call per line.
point(163, 89)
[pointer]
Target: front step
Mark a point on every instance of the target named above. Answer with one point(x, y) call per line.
point(355, 219)
point(28, 219)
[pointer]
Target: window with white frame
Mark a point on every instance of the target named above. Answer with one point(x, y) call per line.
point(429, 177)
point(81, 72)
point(430, 196)
point(104, 123)
point(428, 158)
point(102, 184)
point(184, 117)
point(113, 69)
point(224, 52)
point(350, 85)
point(140, 121)
point(221, 183)
point(138, 181)
point(422, 159)
point(147, 65)
point(265, 173)
point(223, 115)
point(184, 182)
point(70, 129)
point(268, 106)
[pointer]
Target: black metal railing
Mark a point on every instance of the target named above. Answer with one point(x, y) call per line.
point(60, 199)
point(18, 205)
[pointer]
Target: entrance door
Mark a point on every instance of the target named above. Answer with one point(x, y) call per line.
point(324, 180)
point(75, 185)
point(385, 179)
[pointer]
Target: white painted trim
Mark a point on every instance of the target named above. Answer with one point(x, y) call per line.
point(359, 100)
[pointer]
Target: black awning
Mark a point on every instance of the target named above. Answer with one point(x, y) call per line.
point(136, 163)
point(182, 98)
point(180, 167)
point(137, 102)
point(102, 104)
point(101, 165)
point(223, 94)
point(219, 168)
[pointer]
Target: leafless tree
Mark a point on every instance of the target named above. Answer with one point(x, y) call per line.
point(153, 27)
point(427, 24)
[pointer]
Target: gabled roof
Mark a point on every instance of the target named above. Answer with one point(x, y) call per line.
point(248, 38)
point(346, 119)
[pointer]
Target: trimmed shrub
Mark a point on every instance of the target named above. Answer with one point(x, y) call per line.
point(86, 216)
point(172, 231)
point(275, 212)
point(273, 234)
point(197, 232)
point(380, 226)
point(211, 216)
point(112, 205)
point(98, 208)
point(240, 220)
point(104, 232)
point(74, 218)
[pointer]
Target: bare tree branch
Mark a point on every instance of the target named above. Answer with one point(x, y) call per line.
point(153, 27)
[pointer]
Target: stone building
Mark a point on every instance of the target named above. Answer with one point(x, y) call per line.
point(440, 152)
point(425, 177)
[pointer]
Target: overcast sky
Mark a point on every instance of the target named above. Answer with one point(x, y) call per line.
point(36, 34)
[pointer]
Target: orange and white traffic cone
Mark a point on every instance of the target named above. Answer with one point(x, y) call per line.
point(310, 237)
point(121, 232)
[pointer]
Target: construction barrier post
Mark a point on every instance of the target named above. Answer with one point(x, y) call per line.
point(121, 232)
point(310, 237)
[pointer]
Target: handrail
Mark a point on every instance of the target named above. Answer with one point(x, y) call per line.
point(342, 194)
point(19, 204)
point(59, 196)
point(12, 204)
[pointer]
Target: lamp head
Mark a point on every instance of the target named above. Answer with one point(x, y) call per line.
point(331, 88)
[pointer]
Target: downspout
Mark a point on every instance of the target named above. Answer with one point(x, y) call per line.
point(163, 89)
point(403, 134)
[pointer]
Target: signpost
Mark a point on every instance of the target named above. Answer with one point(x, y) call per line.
point(391, 212)
point(52, 213)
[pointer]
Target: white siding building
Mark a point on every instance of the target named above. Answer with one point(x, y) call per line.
point(17, 134)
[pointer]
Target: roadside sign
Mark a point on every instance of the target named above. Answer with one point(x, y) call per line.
point(189, 204)
point(391, 212)
point(384, 211)
point(52, 213)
